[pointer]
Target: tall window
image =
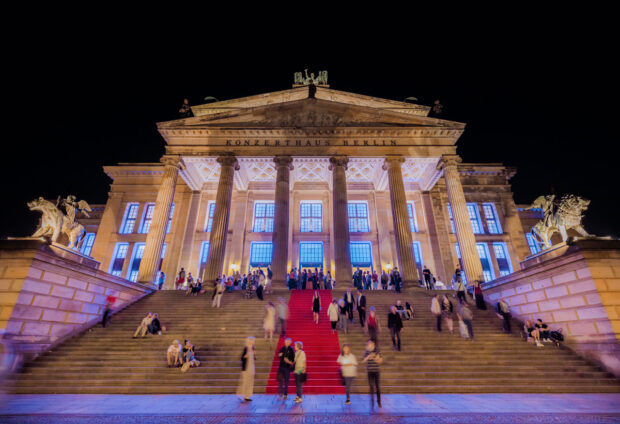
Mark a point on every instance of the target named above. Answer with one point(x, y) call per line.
point(260, 253)
point(413, 222)
point(311, 214)
point(310, 254)
point(503, 260)
point(361, 253)
point(490, 216)
point(138, 252)
point(474, 217)
point(358, 217)
point(451, 218)
point(461, 267)
point(210, 214)
point(147, 217)
point(485, 261)
point(263, 217)
point(204, 254)
point(532, 243)
point(118, 258)
point(129, 220)
point(417, 255)
point(170, 218)
point(87, 244)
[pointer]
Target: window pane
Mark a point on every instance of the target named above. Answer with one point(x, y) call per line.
point(204, 254)
point(503, 262)
point(358, 217)
point(260, 253)
point(311, 254)
point(263, 217)
point(135, 263)
point(311, 217)
point(87, 244)
point(210, 214)
point(531, 242)
point(170, 218)
point(472, 210)
point(130, 218)
point(361, 254)
point(412, 218)
point(118, 260)
point(451, 218)
point(490, 215)
point(487, 269)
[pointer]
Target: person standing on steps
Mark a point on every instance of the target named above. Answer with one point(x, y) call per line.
point(504, 313)
point(395, 324)
point(460, 290)
point(436, 310)
point(333, 313)
point(300, 370)
point(373, 358)
point(349, 301)
point(316, 306)
point(348, 369)
point(447, 311)
point(361, 307)
point(109, 304)
point(465, 314)
point(161, 280)
point(246, 381)
point(372, 326)
point(269, 323)
point(480, 304)
point(427, 278)
point(287, 360)
point(181, 279)
point(219, 292)
point(342, 308)
point(282, 315)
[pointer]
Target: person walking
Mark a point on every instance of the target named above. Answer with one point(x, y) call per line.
point(333, 313)
point(282, 315)
point(465, 314)
point(447, 312)
point(287, 360)
point(161, 280)
point(246, 381)
point(372, 326)
point(349, 301)
point(342, 308)
point(395, 324)
point(300, 370)
point(348, 369)
point(181, 279)
point(504, 313)
point(219, 292)
point(436, 310)
point(269, 323)
point(427, 278)
point(361, 306)
point(109, 304)
point(480, 304)
point(384, 280)
point(316, 306)
point(460, 290)
point(373, 358)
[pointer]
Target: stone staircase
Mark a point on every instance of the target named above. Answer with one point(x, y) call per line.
point(110, 361)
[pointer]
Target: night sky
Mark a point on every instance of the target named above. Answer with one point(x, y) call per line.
point(535, 96)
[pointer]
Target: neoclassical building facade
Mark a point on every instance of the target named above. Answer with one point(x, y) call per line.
point(309, 177)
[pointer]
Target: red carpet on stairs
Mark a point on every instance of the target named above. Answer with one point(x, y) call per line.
point(321, 347)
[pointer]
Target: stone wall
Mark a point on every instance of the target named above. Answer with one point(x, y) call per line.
point(575, 287)
point(48, 293)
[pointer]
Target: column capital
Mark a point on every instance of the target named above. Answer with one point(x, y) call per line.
point(393, 161)
point(338, 161)
point(284, 161)
point(172, 160)
point(228, 160)
point(448, 160)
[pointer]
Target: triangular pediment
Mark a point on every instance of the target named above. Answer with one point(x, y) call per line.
point(309, 112)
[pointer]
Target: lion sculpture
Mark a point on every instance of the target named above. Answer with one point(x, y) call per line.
point(54, 223)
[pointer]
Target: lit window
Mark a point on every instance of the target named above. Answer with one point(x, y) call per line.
point(263, 217)
point(138, 252)
point(161, 258)
point(311, 215)
point(260, 253)
point(118, 258)
point(311, 254)
point(417, 255)
point(413, 223)
point(474, 217)
point(503, 261)
point(204, 254)
point(532, 243)
point(490, 215)
point(451, 218)
point(147, 217)
point(87, 244)
point(461, 267)
point(361, 253)
point(170, 218)
point(487, 269)
point(210, 213)
point(129, 220)
point(358, 217)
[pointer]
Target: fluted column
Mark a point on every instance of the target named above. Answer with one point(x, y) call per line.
point(279, 255)
point(157, 231)
point(462, 224)
point(342, 253)
point(400, 217)
point(219, 229)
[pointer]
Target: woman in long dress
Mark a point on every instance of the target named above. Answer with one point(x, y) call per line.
point(246, 381)
point(269, 324)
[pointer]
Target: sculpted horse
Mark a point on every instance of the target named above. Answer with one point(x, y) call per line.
point(54, 223)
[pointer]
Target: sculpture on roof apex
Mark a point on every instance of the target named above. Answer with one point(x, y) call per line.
point(55, 223)
point(559, 216)
point(301, 79)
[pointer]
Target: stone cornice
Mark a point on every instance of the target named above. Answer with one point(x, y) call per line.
point(202, 132)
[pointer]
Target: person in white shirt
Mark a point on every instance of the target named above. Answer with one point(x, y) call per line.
point(144, 326)
point(300, 370)
point(219, 292)
point(174, 355)
point(348, 367)
point(333, 312)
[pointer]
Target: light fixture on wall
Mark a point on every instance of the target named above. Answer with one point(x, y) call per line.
point(389, 267)
point(233, 267)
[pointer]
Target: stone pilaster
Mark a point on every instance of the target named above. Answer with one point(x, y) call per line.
point(342, 253)
point(161, 213)
point(279, 257)
point(219, 230)
point(400, 217)
point(188, 238)
point(462, 224)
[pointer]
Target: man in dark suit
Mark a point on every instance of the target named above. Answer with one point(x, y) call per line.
point(349, 300)
point(395, 324)
point(361, 306)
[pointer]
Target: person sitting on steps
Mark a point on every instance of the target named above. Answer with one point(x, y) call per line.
point(143, 328)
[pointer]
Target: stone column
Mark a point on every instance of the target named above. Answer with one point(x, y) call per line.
point(157, 231)
point(219, 230)
point(186, 257)
point(279, 256)
point(400, 217)
point(462, 224)
point(342, 253)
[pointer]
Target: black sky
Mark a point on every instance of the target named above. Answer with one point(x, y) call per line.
point(539, 95)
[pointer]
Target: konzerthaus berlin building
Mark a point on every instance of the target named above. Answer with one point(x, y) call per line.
point(309, 177)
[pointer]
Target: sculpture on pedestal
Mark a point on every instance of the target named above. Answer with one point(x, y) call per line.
point(54, 222)
point(559, 217)
point(320, 79)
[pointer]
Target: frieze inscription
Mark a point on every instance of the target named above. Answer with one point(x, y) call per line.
point(310, 143)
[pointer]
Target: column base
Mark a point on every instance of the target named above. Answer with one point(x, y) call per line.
point(278, 283)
